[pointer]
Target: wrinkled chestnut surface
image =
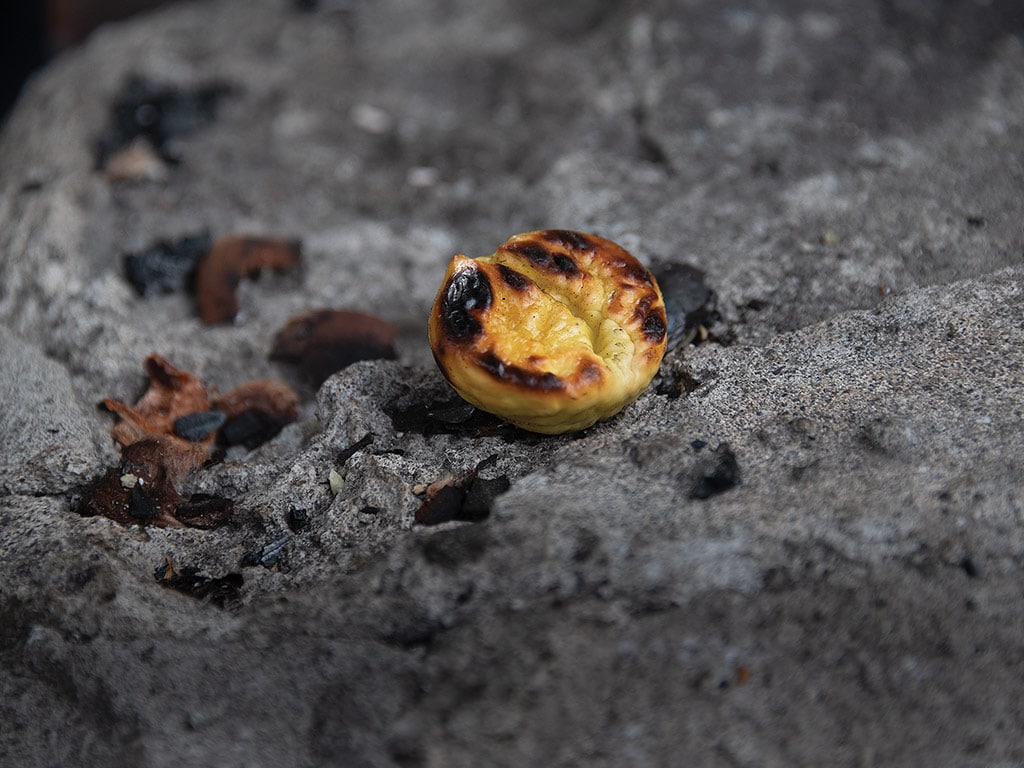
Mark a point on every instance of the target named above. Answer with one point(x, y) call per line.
point(553, 332)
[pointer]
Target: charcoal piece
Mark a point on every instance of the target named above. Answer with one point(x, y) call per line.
point(267, 555)
point(444, 505)
point(298, 519)
point(158, 113)
point(480, 497)
point(198, 426)
point(141, 506)
point(453, 416)
point(718, 476)
point(689, 302)
point(355, 448)
point(256, 411)
point(251, 429)
point(167, 265)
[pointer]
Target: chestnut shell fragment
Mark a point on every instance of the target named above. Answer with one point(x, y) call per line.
point(324, 341)
point(231, 259)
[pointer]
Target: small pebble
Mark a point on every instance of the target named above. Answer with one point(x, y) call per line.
point(336, 481)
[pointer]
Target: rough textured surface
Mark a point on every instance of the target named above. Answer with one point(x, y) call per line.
point(802, 546)
point(57, 445)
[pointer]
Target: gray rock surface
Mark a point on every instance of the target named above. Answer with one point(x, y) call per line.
point(850, 178)
point(57, 446)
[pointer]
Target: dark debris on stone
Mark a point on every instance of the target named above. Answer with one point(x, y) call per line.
point(204, 511)
point(356, 447)
point(166, 266)
point(324, 341)
point(199, 426)
point(674, 379)
point(298, 519)
point(222, 591)
point(149, 498)
point(159, 113)
point(232, 258)
point(719, 475)
point(690, 304)
point(468, 498)
point(451, 416)
point(251, 428)
point(269, 555)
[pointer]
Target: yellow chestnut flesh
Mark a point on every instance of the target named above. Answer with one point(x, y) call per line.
point(553, 332)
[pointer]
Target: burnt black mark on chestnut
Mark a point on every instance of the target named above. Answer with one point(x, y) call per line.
point(576, 241)
point(654, 326)
point(641, 274)
point(643, 307)
point(633, 270)
point(513, 374)
point(513, 279)
point(541, 257)
point(565, 265)
point(468, 293)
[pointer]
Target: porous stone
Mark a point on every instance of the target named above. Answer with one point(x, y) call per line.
point(801, 546)
point(51, 445)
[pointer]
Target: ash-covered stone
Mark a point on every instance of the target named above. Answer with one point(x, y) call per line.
point(845, 176)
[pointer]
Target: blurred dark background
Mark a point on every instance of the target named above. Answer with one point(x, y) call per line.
point(31, 31)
